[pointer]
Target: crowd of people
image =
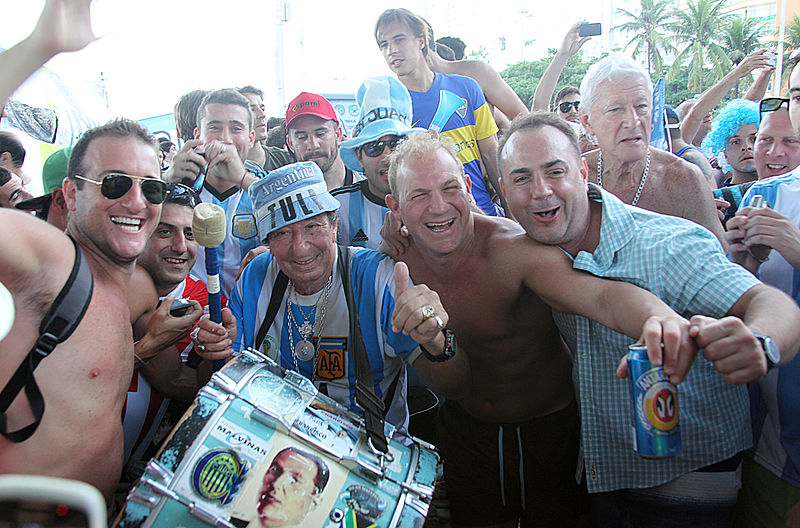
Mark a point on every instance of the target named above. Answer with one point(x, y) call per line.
point(503, 258)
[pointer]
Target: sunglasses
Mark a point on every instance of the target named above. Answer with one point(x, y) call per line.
point(182, 195)
point(373, 149)
point(564, 107)
point(770, 104)
point(114, 186)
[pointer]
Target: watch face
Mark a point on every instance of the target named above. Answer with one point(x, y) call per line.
point(770, 350)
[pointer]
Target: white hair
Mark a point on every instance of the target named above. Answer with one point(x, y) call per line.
point(614, 67)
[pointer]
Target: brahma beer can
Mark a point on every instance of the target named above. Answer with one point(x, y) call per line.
point(654, 403)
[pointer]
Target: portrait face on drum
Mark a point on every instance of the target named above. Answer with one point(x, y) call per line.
point(292, 488)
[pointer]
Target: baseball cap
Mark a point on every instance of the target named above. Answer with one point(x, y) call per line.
point(54, 171)
point(310, 104)
point(290, 194)
point(384, 109)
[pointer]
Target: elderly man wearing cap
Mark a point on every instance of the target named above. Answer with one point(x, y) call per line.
point(313, 134)
point(383, 123)
point(308, 330)
point(51, 206)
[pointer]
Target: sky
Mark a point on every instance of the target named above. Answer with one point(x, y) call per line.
point(151, 52)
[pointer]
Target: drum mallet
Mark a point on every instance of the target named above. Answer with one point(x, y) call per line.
point(209, 228)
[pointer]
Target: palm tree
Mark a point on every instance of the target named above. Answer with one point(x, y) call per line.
point(654, 16)
point(791, 38)
point(698, 28)
point(740, 37)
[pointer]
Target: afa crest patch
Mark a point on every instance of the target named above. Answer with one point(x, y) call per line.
point(332, 358)
point(244, 226)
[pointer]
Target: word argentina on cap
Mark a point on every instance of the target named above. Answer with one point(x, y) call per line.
point(286, 203)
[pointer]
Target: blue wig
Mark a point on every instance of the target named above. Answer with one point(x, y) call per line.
point(735, 114)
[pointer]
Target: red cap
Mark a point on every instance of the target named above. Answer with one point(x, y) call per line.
point(310, 104)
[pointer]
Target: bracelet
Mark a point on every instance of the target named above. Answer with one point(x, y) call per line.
point(241, 183)
point(140, 360)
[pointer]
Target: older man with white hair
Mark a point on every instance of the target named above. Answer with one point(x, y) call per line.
point(616, 107)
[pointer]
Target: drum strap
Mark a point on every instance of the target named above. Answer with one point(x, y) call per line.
point(57, 325)
point(374, 408)
point(275, 299)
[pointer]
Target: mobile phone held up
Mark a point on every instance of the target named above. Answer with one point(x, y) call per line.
point(590, 29)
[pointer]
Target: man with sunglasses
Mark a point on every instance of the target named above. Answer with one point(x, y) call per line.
point(766, 240)
point(384, 121)
point(113, 193)
point(777, 148)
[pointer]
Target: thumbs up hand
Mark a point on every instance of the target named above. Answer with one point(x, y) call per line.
point(418, 312)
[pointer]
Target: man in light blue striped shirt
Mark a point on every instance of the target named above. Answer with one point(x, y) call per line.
point(545, 183)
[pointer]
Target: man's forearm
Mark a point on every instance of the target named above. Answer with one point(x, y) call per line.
point(767, 310)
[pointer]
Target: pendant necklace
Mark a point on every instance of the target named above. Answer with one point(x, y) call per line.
point(644, 174)
point(304, 349)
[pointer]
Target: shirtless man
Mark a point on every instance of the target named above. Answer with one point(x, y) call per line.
point(85, 378)
point(486, 272)
point(616, 108)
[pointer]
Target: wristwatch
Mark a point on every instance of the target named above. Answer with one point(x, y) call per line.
point(450, 347)
point(770, 350)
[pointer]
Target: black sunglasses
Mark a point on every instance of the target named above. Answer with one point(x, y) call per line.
point(182, 195)
point(114, 186)
point(373, 149)
point(564, 107)
point(770, 104)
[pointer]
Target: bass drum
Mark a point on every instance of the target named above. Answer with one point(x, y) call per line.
point(260, 447)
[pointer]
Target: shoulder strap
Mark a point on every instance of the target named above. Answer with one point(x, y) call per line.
point(278, 289)
point(57, 325)
point(374, 408)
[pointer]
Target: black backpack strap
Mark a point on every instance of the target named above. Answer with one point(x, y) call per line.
point(373, 407)
point(278, 289)
point(57, 325)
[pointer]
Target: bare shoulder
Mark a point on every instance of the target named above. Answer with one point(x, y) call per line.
point(679, 175)
point(510, 247)
point(33, 252)
point(142, 295)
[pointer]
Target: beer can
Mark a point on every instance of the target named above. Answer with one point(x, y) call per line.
point(654, 405)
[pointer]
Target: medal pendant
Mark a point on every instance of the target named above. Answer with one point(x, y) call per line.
point(304, 350)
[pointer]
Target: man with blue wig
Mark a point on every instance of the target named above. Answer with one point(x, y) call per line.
point(731, 140)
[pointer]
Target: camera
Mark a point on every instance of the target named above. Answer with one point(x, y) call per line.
point(179, 308)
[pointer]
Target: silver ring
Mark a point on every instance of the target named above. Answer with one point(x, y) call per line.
point(201, 349)
point(428, 312)
point(439, 322)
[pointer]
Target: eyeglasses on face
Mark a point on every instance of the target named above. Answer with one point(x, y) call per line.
point(373, 149)
point(564, 107)
point(114, 186)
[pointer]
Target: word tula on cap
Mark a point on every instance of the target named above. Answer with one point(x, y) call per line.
point(290, 194)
